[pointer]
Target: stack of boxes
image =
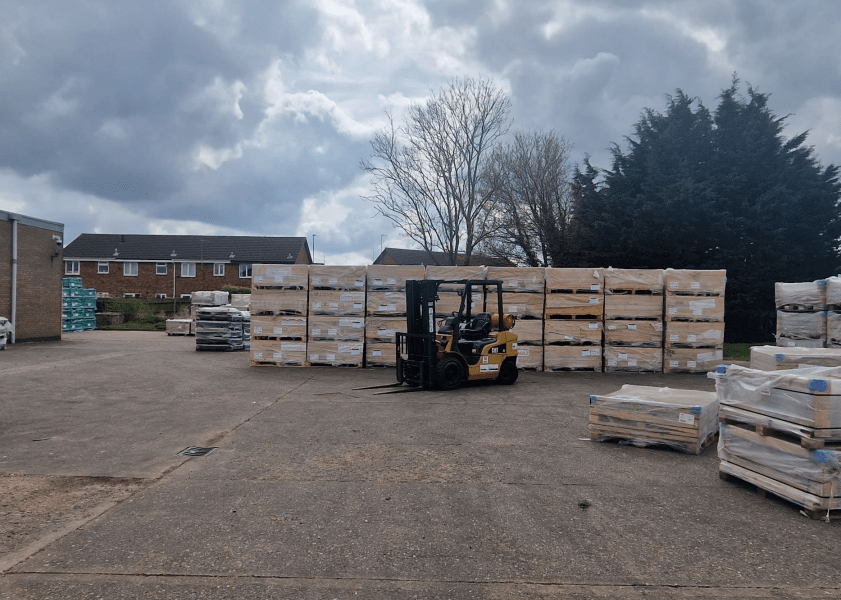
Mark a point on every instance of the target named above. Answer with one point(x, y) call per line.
point(694, 338)
point(523, 292)
point(573, 313)
point(278, 304)
point(336, 316)
point(781, 431)
point(219, 328)
point(633, 315)
point(386, 310)
point(78, 306)
point(801, 313)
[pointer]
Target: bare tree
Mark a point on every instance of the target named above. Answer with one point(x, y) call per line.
point(533, 200)
point(427, 173)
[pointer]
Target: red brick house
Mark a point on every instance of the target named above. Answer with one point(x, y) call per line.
point(167, 266)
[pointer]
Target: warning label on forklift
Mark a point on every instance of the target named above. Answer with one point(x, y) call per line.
point(486, 368)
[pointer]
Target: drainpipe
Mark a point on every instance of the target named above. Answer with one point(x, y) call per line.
point(13, 315)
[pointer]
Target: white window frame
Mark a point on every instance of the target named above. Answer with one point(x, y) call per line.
point(186, 296)
point(245, 270)
point(128, 267)
point(218, 269)
point(160, 296)
point(158, 268)
point(102, 268)
point(71, 267)
point(131, 295)
point(188, 269)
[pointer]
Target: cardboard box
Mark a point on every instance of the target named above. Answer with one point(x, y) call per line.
point(337, 303)
point(570, 332)
point(530, 280)
point(385, 278)
point(347, 278)
point(629, 358)
point(694, 282)
point(643, 306)
point(633, 333)
point(281, 277)
point(682, 334)
point(623, 280)
point(691, 360)
point(278, 327)
point(559, 281)
point(572, 358)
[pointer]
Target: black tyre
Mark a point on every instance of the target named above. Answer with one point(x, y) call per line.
point(449, 373)
point(508, 372)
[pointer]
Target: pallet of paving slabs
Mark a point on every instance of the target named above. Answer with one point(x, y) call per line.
point(392, 278)
point(694, 308)
point(278, 327)
point(344, 329)
point(572, 333)
point(219, 328)
point(633, 359)
point(572, 358)
point(633, 333)
point(274, 302)
point(279, 277)
point(346, 278)
point(684, 334)
point(642, 306)
point(519, 280)
point(335, 354)
point(278, 353)
point(572, 281)
point(807, 326)
point(691, 360)
point(694, 282)
point(774, 358)
point(337, 303)
point(633, 281)
point(385, 304)
point(586, 306)
point(685, 420)
point(517, 304)
point(808, 296)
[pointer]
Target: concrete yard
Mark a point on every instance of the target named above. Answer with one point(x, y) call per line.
point(319, 491)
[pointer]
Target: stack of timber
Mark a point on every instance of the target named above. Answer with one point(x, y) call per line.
point(801, 313)
point(776, 358)
point(572, 330)
point(336, 316)
point(219, 328)
point(781, 432)
point(448, 298)
point(523, 292)
point(694, 337)
point(386, 310)
point(633, 296)
point(279, 301)
point(684, 420)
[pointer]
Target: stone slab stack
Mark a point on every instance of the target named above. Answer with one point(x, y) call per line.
point(523, 293)
point(633, 310)
point(219, 328)
point(385, 313)
point(279, 304)
point(336, 316)
point(573, 313)
point(801, 313)
point(78, 306)
point(694, 320)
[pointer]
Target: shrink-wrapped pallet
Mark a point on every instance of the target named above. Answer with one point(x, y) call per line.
point(569, 332)
point(347, 278)
point(176, 327)
point(694, 308)
point(336, 354)
point(801, 325)
point(833, 330)
point(562, 280)
point(572, 358)
point(685, 420)
point(574, 305)
point(530, 357)
point(529, 332)
point(392, 278)
point(380, 354)
point(691, 360)
point(633, 333)
point(519, 280)
point(209, 298)
point(692, 282)
point(279, 302)
point(386, 303)
point(383, 330)
point(633, 280)
point(805, 296)
point(241, 301)
point(631, 358)
point(444, 272)
point(284, 277)
point(773, 358)
point(643, 306)
point(694, 335)
point(345, 329)
point(337, 303)
point(832, 290)
point(278, 353)
point(520, 305)
point(278, 327)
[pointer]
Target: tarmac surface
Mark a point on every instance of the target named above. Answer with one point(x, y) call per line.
point(319, 491)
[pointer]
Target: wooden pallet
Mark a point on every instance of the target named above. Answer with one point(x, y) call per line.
point(634, 438)
point(808, 308)
point(275, 363)
point(633, 292)
point(808, 437)
point(571, 317)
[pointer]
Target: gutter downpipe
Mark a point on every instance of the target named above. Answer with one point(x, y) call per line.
point(13, 315)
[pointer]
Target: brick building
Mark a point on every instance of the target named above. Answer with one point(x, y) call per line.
point(30, 276)
point(163, 266)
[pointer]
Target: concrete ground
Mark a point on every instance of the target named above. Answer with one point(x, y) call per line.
point(319, 491)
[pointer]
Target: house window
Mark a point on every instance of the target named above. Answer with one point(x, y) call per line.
point(131, 295)
point(160, 268)
point(102, 268)
point(130, 270)
point(71, 267)
point(245, 271)
point(219, 269)
point(186, 296)
point(160, 296)
point(188, 269)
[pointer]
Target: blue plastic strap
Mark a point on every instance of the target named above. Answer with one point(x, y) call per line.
point(696, 410)
point(818, 385)
point(780, 356)
point(593, 399)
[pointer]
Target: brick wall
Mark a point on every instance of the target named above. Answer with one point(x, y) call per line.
point(38, 284)
point(6, 269)
point(147, 283)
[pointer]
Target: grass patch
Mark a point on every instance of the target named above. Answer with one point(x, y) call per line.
point(147, 323)
point(739, 351)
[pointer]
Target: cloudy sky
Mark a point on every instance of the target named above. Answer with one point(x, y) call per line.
point(250, 117)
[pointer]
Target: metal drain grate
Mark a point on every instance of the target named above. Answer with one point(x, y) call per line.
point(197, 451)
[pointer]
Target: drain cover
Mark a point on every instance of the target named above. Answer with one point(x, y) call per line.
point(197, 451)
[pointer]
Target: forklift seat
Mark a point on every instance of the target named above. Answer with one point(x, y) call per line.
point(478, 328)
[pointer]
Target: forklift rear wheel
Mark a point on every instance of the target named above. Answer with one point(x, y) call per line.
point(508, 372)
point(448, 373)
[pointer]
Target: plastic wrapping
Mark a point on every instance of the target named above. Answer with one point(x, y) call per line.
point(801, 325)
point(810, 295)
point(585, 304)
point(278, 353)
point(279, 302)
point(633, 306)
point(345, 329)
point(572, 358)
point(694, 335)
point(385, 278)
point(529, 332)
point(349, 278)
point(772, 358)
point(628, 358)
point(337, 303)
point(633, 333)
point(808, 396)
point(832, 290)
point(386, 303)
point(685, 281)
point(209, 298)
point(574, 280)
point(178, 326)
point(694, 308)
point(380, 354)
point(337, 354)
point(6, 326)
point(685, 420)
point(569, 332)
point(278, 327)
point(520, 305)
point(219, 328)
point(519, 279)
point(691, 360)
point(620, 280)
point(833, 330)
point(288, 277)
point(241, 301)
point(383, 330)
point(530, 357)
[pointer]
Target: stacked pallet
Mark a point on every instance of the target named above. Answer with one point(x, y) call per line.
point(523, 292)
point(78, 306)
point(694, 313)
point(801, 314)
point(781, 432)
point(776, 358)
point(833, 312)
point(684, 420)
point(219, 328)
point(572, 336)
point(279, 301)
point(386, 310)
point(449, 299)
point(633, 316)
point(336, 316)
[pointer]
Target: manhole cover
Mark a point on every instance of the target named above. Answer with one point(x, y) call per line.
point(197, 451)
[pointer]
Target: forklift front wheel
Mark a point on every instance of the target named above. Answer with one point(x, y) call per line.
point(508, 372)
point(449, 373)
